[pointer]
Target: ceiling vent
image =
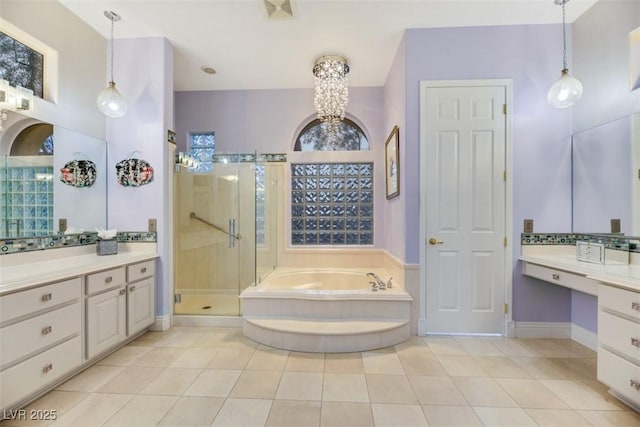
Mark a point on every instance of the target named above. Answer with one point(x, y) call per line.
point(279, 9)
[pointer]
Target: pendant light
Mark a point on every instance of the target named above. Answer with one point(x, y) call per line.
point(109, 101)
point(567, 89)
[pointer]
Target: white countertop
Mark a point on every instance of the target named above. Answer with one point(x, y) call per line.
point(564, 258)
point(20, 271)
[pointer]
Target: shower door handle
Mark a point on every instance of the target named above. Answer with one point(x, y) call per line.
point(230, 233)
point(233, 232)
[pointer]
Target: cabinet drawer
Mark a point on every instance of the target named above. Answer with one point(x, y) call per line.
point(141, 270)
point(104, 280)
point(562, 278)
point(28, 336)
point(619, 374)
point(21, 303)
point(620, 300)
point(620, 334)
point(23, 379)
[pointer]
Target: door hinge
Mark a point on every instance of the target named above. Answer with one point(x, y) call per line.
point(177, 299)
point(505, 242)
point(504, 176)
point(506, 308)
point(504, 108)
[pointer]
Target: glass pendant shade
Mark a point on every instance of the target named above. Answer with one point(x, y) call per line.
point(565, 91)
point(110, 102)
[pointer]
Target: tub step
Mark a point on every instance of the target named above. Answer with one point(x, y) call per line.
point(327, 336)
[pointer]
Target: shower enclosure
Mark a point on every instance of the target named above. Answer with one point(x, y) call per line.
point(223, 217)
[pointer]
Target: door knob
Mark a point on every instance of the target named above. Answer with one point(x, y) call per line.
point(433, 241)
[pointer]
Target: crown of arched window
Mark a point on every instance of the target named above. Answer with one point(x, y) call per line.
point(317, 136)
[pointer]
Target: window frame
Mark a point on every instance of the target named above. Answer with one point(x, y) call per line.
point(352, 156)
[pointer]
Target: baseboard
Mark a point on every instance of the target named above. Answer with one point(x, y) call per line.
point(584, 336)
point(542, 329)
point(162, 323)
point(212, 321)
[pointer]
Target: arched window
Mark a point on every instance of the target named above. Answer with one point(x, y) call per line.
point(332, 202)
point(318, 136)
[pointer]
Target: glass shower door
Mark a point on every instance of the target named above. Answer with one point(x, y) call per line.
point(215, 251)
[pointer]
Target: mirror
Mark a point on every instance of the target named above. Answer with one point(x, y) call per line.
point(33, 197)
point(604, 159)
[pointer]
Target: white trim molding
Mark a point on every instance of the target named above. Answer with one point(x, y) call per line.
point(584, 336)
point(162, 323)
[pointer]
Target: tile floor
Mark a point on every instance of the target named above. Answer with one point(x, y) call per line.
point(191, 376)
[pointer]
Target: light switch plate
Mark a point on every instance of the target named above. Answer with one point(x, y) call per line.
point(528, 226)
point(62, 225)
point(153, 225)
point(615, 225)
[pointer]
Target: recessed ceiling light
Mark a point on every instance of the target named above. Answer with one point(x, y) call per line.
point(208, 70)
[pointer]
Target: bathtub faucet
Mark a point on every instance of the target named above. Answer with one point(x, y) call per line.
point(379, 283)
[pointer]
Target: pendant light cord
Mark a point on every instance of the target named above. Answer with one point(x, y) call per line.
point(564, 38)
point(112, 22)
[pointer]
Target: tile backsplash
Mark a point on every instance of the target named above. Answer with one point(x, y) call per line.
point(56, 241)
point(611, 241)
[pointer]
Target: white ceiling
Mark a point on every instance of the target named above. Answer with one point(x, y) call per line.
point(250, 51)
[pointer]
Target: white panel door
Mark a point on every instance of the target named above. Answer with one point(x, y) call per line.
point(464, 141)
point(106, 320)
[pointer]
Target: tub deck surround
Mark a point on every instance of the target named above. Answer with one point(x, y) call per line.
point(24, 270)
point(299, 309)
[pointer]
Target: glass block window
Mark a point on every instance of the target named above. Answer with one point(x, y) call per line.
point(260, 205)
point(28, 201)
point(202, 147)
point(317, 136)
point(20, 65)
point(332, 203)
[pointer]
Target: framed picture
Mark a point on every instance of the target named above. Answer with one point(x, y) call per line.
point(392, 163)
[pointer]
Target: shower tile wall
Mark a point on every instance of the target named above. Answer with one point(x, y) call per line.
point(27, 201)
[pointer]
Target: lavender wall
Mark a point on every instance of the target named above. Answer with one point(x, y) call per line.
point(395, 114)
point(530, 55)
point(144, 75)
point(601, 62)
point(266, 120)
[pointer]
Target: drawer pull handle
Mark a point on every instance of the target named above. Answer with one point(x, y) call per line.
point(635, 306)
point(555, 276)
point(132, 288)
point(108, 279)
point(635, 384)
point(47, 297)
point(47, 368)
point(635, 342)
point(47, 330)
point(122, 292)
point(143, 270)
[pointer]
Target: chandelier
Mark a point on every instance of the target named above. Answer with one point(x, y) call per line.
point(332, 91)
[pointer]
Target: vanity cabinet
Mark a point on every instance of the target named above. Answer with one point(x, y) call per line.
point(120, 303)
point(619, 341)
point(40, 337)
point(50, 330)
point(560, 277)
point(140, 296)
point(106, 310)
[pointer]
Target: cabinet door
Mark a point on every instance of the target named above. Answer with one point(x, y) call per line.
point(106, 320)
point(140, 305)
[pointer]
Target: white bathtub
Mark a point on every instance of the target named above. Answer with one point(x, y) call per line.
point(326, 310)
point(327, 282)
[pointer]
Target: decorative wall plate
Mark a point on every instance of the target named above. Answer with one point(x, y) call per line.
point(134, 172)
point(78, 173)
